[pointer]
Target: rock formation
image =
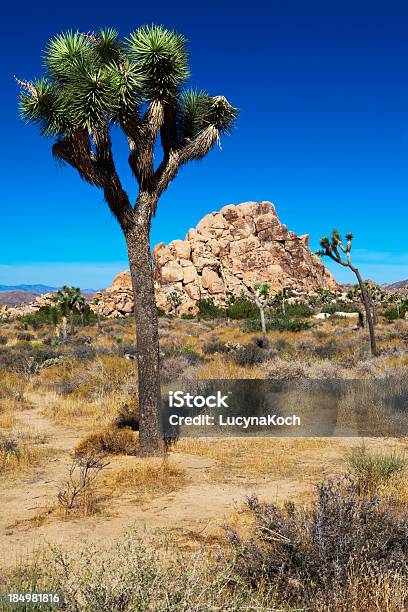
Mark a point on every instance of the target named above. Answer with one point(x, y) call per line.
point(227, 253)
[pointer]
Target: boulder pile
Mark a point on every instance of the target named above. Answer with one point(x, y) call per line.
point(226, 253)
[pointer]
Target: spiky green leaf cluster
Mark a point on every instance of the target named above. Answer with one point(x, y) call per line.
point(163, 58)
point(93, 80)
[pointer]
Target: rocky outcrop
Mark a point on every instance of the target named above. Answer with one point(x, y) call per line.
point(226, 253)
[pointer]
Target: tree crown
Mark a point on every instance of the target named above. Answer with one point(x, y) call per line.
point(94, 81)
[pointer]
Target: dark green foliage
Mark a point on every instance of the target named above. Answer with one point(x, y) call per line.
point(278, 323)
point(160, 312)
point(46, 315)
point(242, 309)
point(306, 554)
point(3, 340)
point(187, 316)
point(208, 310)
point(392, 313)
point(298, 311)
point(341, 307)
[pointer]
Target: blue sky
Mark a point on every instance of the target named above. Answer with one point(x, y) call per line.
point(323, 133)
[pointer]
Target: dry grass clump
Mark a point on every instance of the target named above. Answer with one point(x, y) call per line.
point(12, 397)
point(147, 477)
point(374, 470)
point(131, 576)
point(109, 441)
point(17, 456)
point(90, 380)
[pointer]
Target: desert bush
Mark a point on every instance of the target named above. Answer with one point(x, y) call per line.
point(328, 350)
point(3, 340)
point(249, 355)
point(175, 368)
point(214, 345)
point(393, 314)
point(310, 556)
point(373, 469)
point(25, 336)
point(208, 310)
point(242, 309)
point(111, 440)
point(341, 307)
point(301, 311)
point(79, 493)
point(278, 323)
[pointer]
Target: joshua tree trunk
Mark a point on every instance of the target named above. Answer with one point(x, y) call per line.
point(71, 320)
point(147, 335)
point(263, 323)
point(64, 328)
point(369, 315)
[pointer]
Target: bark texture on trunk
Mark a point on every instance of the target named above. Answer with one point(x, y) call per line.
point(369, 314)
point(147, 335)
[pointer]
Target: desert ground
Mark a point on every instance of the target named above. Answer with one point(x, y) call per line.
point(60, 402)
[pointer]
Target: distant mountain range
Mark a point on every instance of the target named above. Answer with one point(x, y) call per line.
point(36, 289)
point(400, 287)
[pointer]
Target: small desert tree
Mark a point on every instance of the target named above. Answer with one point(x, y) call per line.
point(94, 82)
point(334, 248)
point(261, 295)
point(68, 299)
point(174, 299)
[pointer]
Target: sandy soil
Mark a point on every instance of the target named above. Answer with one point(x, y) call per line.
point(194, 512)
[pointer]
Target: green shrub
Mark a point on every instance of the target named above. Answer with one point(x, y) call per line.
point(3, 340)
point(187, 316)
point(242, 309)
point(278, 324)
point(392, 314)
point(372, 469)
point(341, 307)
point(208, 310)
point(298, 311)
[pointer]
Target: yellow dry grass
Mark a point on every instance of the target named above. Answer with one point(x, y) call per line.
point(145, 478)
point(16, 458)
point(276, 457)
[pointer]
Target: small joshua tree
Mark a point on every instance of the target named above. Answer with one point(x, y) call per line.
point(334, 248)
point(261, 297)
point(97, 304)
point(69, 300)
point(174, 300)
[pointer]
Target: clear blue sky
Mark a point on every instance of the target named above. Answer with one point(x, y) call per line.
point(323, 132)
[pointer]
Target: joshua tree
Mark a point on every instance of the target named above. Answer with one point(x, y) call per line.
point(69, 300)
point(261, 297)
point(333, 248)
point(174, 300)
point(82, 308)
point(94, 82)
point(97, 303)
